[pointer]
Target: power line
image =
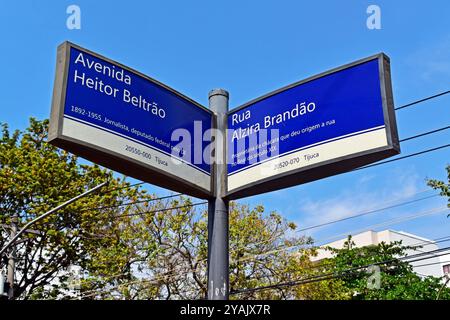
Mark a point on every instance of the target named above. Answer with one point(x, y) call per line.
point(48, 213)
point(411, 155)
point(425, 134)
point(395, 221)
point(368, 166)
point(201, 203)
point(414, 246)
point(311, 227)
point(143, 201)
point(388, 222)
point(434, 241)
point(422, 100)
point(339, 274)
point(185, 273)
point(166, 275)
point(125, 187)
point(434, 211)
point(317, 278)
point(400, 158)
point(145, 212)
point(356, 215)
point(171, 209)
point(366, 213)
point(364, 167)
point(402, 140)
point(404, 157)
point(180, 194)
point(431, 264)
point(159, 210)
point(93, 293)
point(132, 202)
point(410, 138)
point(156, 279)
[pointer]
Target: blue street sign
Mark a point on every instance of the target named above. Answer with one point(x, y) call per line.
point(127, 121)
point(318, 127)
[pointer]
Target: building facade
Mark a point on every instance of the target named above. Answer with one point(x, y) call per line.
point(432, 263)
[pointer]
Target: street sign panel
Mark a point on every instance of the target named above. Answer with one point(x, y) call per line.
point(119, 118)
point(327, 124)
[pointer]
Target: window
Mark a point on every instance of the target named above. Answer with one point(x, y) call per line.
point(446, 269)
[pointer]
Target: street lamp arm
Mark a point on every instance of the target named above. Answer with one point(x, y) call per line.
point(49, 213)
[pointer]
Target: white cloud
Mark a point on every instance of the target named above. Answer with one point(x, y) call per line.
point(359, 198)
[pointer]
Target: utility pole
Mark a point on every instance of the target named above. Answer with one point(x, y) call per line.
point(12, 258)
point(218, 220)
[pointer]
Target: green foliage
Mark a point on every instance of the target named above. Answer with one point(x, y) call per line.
point(34, 178)
point(140, 251)
point(148, 251)
point(176, 269)
point(444, 187)
point(397, 279)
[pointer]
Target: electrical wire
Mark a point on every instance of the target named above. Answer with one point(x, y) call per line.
point(431, 264)
point(434, 241)
point(364, 167)
point(404, 157)
point(321, 277)
point(177, 272)
point(416, 245)
point(176, 208)
point(388, 161)
point(334, 275)
point(132, 202)
point(411, 155)
point(121, 188)
point(180, 273)
point(247, 258)
point(158, 210)
point(422, 100)
point(387, 205)
point(398, 220)
point(425, 134)
point(366, 213)
point(388, 222)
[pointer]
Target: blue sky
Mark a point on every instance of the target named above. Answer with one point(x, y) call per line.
point(250, 48)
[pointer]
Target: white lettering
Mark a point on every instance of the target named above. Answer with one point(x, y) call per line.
point(74, 20)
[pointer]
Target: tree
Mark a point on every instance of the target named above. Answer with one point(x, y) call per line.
point(132, 245)
point(442, 186)
point(35, 177)
point(397, 279)
point(128, 244)
point(176, 269)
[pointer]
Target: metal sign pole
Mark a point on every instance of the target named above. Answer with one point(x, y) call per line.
point(218, 248)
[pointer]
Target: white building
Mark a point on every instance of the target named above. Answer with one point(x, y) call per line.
point(436, 264)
